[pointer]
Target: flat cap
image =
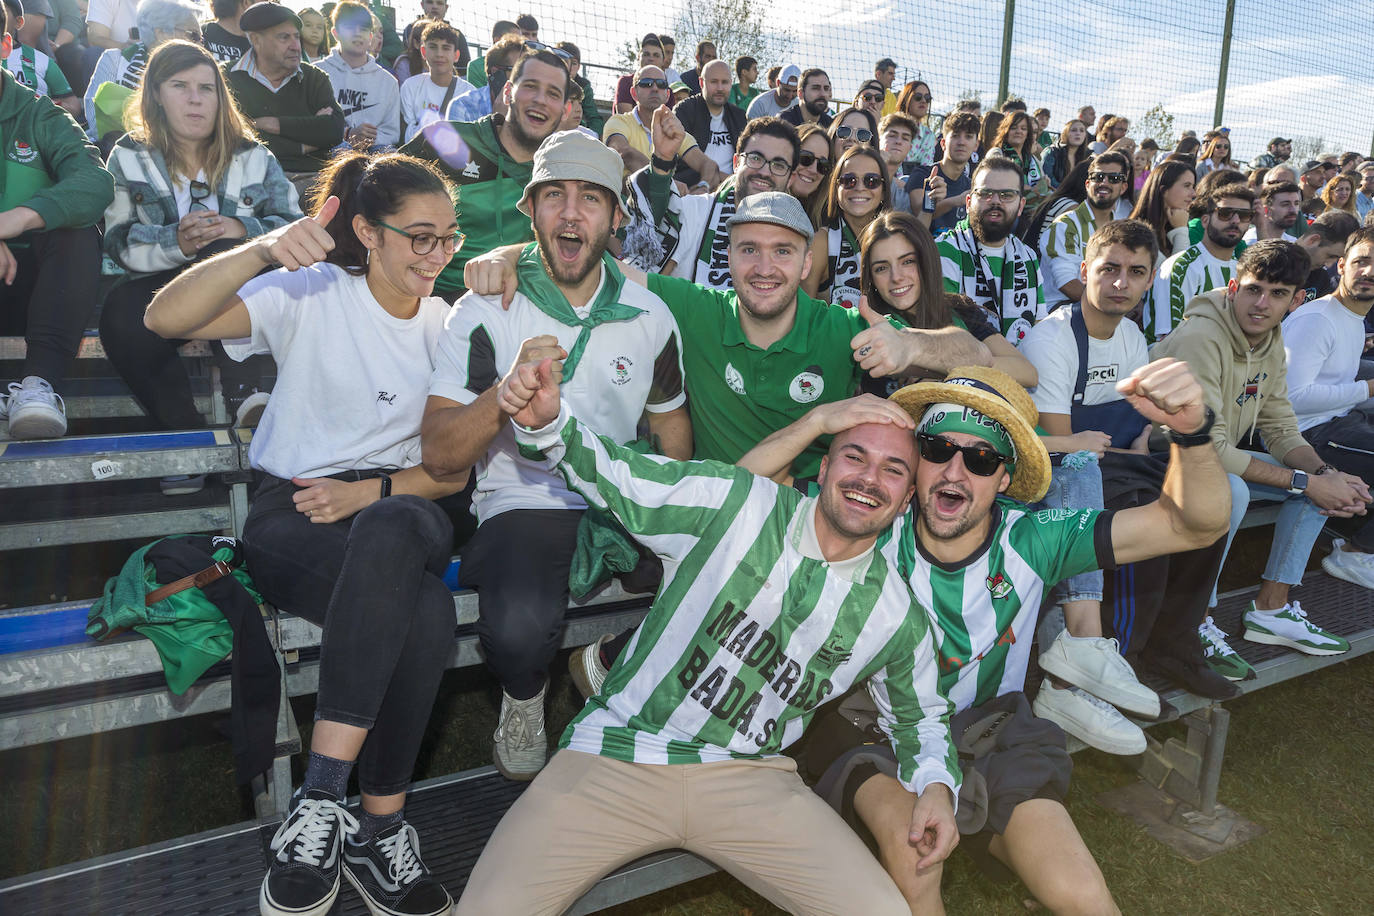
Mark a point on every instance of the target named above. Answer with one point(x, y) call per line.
point(264, 15)
point(776, 207)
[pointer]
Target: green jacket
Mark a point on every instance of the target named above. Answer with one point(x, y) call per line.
point(48, 164)
point(591, 116)
point(490, 184)
point(294, 104)
point(392, 46)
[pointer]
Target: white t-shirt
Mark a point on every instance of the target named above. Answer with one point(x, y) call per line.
point(1323, 341)
point(422, 102)
point(720, 150)
point(626, 368)
point(352, 379)
point(1051, 348)
point(181, 190)
point(119, 15)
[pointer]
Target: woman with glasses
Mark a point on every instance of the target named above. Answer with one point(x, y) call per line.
point(191, 181)
point(808, 179)
point(343, 530)
point(1216, 154)
point(914, 102)
point(852, 126)
point(855, 195)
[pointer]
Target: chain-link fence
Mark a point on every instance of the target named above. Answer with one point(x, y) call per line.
point(1295, 69)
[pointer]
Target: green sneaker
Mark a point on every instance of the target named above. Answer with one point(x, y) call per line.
point(1220, 657)
point(1289, 626)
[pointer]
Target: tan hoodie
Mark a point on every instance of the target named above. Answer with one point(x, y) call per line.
point(1248, 388)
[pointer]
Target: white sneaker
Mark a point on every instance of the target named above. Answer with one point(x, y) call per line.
point(588, 674)
point(1289, 626)
point(1095, 664)
point(1352, 566)
point(35, 411)
point(1090, 720)
point(520, 747)
point(182, 484)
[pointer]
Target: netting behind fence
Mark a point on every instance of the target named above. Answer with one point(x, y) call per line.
point(1297, 69)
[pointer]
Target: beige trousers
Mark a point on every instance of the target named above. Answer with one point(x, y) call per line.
point(585, 816)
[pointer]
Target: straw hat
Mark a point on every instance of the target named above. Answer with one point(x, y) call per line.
point(994, 394)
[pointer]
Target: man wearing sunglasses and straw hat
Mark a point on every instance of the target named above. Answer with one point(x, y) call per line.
point(980, 562)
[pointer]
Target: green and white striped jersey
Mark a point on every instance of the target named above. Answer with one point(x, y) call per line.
point(985, 608)
point(1183, 276)
point(751, 630)
point(1066, 245)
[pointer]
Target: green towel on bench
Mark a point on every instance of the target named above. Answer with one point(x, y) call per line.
point(604, 547)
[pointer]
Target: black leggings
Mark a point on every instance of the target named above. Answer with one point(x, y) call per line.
point(52, 297)
point(374, 582)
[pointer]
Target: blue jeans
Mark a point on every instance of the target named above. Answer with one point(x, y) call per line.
point(1076, 484)
point(1299, 524)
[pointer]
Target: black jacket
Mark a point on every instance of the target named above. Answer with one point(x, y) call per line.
point(696, 120)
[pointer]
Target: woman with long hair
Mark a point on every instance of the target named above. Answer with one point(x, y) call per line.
point(191, 180)
point(987, 131)
point(1072, 191)
point(851, 127)
point(900, 276)
point(1163, 205)
point(1016, 139)
point(1066, 152)
point(914, 102)
point(1216, 154)
point(1339, 193)
point(1186, 151)
point(412, 62)
point(856, 194)
point(315, 37)
point(807, 183)
point(343, 530)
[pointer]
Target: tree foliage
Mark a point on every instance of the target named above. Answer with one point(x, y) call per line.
point(737, 27)
point(1158, 125)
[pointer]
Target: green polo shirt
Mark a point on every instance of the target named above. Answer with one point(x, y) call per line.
point(739, 394)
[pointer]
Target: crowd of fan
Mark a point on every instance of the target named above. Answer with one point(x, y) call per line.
point(761, 262)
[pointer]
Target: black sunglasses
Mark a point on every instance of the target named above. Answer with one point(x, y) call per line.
point(870, 97)
point(921, 96)
point(648, 83)
point(862, 134)
point(1226, 214)
point(982, 460)
point(849, 181)
point(1109, 177)
point(805, 160)
point(556, 52)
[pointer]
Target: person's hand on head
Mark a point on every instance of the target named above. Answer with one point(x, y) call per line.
point(529, 394)
point(837, 416)
point(302, 243)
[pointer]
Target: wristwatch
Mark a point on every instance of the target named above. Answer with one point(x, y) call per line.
point(1298, 485)
point(1201, 436)
point(386, 485)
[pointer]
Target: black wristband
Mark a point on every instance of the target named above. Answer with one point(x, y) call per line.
point(1201, 436)
point(386, 485)
point(663, 165)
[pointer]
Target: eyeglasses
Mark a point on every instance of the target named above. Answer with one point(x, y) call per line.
point(982, 460)
point(862, 134)
point(870, 97)
point(556, 52)
point(424, 242)
point(1109, 177)
point(921, 96)
point(1005, 195)
point(805, 160)
point(200, 192)
point(648, 83)
point(1226, 214)
point(779, 167)
point(849, 181)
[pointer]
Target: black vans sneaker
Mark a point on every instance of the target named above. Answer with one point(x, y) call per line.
point(388, 872)
point(303, 879)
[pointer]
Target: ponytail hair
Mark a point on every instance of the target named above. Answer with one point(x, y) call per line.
point(375, 187)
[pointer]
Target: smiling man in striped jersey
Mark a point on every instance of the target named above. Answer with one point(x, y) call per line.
point(771, 603)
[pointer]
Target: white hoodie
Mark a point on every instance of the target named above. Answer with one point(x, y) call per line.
point(367, 94)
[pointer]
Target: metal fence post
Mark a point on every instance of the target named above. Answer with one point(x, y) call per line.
point(1225, 62)
point(1004, 75)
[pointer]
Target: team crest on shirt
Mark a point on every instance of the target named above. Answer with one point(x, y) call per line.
point(807, 386)
point(1017, 331)
point(472, 170)
point(620, 370)
point(999, 585)
point(22, 152)
point(734, 379)
point(834, 653)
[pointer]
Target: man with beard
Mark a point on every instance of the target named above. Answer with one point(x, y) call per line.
point(1206, 266)
point(1231, 339)
point(985, 261)
point(713, 122)
point(618, 356)
point(1364, 195)
point(814, 106)
point(1280, 208)
point(979, 563)
point(771, 603)
point(1069, 234)
point(631, 135)
point(489, 160)
point(1324, 341)
point(1277, 151)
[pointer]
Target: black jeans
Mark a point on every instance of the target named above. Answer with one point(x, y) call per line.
point(52, 297)
point(150, 365)
point(1347, 443)
point(518, 561)
point(374, 582)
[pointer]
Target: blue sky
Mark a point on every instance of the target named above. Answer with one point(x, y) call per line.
point(1124, 56)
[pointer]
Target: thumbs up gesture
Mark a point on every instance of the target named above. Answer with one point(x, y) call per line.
point(882, 350)
point(302, 243)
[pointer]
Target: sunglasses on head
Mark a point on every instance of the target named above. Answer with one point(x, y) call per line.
point(1109, 177)
point(981, 460)
point(648, 83)
point(556, 52)
point(805, 160)
point(862, 134)
point(849, 181)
